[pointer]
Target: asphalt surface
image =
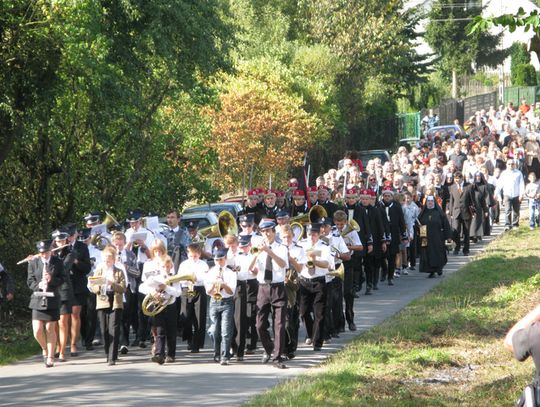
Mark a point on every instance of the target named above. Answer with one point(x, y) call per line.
point(195, 380)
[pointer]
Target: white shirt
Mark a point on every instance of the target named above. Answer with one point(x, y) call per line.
point(510, 183)
point(199, 267)
point(278, 273)
point(228, 276)
point(326, 255)
point(338, 242)
point(141, 256)
point(244, 261)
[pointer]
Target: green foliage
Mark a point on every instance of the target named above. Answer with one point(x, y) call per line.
point(520, 56)
point(529, 21)
point(525, 75)
point(457, 50)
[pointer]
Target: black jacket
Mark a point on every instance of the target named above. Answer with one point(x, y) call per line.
point(35, 275)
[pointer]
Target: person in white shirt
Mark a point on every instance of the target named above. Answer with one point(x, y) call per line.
point(150, 269)
point(139, 246)
point(297, 259)
point(194, 306)
point(512, 186)
point(313, 285)
point(220, 285)
point(164, 323)
point(240, 258)
point(271, 264)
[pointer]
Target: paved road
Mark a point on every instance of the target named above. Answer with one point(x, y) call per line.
point(193, 380)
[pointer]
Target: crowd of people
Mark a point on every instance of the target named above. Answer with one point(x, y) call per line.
point(301, 255)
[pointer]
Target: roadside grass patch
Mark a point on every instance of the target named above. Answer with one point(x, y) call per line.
point(443, 349)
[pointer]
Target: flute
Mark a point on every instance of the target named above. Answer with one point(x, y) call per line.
point(33, 256)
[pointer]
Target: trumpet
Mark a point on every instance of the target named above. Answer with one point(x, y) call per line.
point(217, 295)
point(339, 273)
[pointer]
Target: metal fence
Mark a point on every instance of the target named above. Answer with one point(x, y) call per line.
point(516, 94)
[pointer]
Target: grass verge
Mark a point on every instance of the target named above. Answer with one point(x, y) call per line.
point(444, 349)
point(16, 339)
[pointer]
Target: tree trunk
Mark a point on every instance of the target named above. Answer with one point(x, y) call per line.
point(454, 84)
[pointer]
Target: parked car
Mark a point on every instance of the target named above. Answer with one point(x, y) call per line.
point(233, 207)
point(203, 219)
point(367, 155)
point(448, 131)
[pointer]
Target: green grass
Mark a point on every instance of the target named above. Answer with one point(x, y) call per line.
point(444, 349)
point(16, 340)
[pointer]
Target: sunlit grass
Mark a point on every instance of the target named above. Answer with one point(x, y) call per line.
point(444, 349)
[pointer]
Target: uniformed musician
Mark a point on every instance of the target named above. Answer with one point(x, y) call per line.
point(45, 276)
point(313, 285)
point(271, 264)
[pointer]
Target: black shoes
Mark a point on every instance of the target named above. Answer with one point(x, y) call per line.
point(352, 326)
point(279, 364)
point(170, 359)
point(123, 350)
point(431, 275)
point(158, 359)
point(390, 282)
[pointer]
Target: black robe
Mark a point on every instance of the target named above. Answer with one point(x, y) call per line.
point(480, 195)
point(433, 256)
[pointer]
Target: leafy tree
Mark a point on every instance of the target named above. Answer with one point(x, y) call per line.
point(520, 56)
point(458, 52)
point(525, 75)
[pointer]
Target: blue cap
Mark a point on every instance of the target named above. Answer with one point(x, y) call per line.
point(325, 220)
point(247, 218)
point(267, 224)
point(59, 234)
point(313, 228)
point(244, 240)
point(219, 253)
point(44, 245)
point(134, 216)
point(282, 213)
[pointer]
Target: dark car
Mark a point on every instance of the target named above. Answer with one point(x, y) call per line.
point(233, 207)
point(446, 132)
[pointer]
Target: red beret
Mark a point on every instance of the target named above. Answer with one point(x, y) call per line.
point(312, 189)
point(279, 193)
point(298, 192)
point(269, 192)
point(253, 192)
point(293, 184)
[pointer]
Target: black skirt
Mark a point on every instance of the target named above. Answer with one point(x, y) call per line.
point(46, 315)
point(65, 307)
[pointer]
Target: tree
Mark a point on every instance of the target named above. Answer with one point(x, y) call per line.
point(458, 52)
point(262, 127)
point(520, 56)
point(525, 75)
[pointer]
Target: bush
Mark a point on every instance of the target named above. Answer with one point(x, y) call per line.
point(520, 56)
point(525, 75)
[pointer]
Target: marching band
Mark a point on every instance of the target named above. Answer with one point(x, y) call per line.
point(292, 261)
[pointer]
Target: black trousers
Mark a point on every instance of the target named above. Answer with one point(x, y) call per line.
point(127, 317)
point(348, 291)
point(272, 298)
point(411, 252)
point(333, 319)
point(313, 297)
point(390, 264)
point(292, 325)
point(193, 316)
point(251, 314)
point(238, 343)
point(110, 321)
point(165, 324)
point(373, 269)
point(143, 331)
point(460, 226)
point(358, 273)
point(90, 322)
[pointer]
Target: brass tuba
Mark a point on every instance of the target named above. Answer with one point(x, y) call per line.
point(226, 226)
point(100, 242)
point(351, 226)
point(315, 213)
point(153, 304)
point(110, 220)
point(339, 273)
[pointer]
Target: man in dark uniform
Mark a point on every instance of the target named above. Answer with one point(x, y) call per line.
point(323, 195)
point(375, 257)
point(252, 205)
point(299, 205)
point(180, 240)
point(461, 202)
point(78, 271)
point(269, 208)
point(6, 289)
point(398, 230)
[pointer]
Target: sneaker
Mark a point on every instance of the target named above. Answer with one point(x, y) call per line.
point(405, 272)
point(279, 364)
point(397, 273)
point(412, 268)
point(224, 362)
point(170, 359)
point(308, 341)
point(265, 358)
point(96, 342)
point(123, 350)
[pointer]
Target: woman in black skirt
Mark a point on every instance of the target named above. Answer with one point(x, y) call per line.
point(45, 275)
